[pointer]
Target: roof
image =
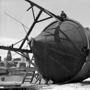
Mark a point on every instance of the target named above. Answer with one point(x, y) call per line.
point(16, 59)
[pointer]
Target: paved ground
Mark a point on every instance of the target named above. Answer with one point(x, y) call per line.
point(75, 86)
point(71, 86)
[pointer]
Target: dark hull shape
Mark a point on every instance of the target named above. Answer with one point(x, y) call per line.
point(60, 51)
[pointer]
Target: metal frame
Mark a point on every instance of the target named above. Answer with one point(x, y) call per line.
point(36, 20)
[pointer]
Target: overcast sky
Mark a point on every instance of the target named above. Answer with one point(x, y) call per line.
point(11, 31)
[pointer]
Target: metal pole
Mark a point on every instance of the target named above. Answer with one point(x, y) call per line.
point(30, 29)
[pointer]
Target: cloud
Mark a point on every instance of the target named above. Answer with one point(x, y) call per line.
point(7, 41)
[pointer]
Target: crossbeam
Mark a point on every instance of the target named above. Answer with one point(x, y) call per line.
point(45, 10)
point(15, 49)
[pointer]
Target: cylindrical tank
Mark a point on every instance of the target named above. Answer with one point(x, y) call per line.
point(60, 51)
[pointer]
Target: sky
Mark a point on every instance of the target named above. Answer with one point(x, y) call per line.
point(12, 31)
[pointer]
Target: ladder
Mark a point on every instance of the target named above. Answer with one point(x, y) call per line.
point(29, 76)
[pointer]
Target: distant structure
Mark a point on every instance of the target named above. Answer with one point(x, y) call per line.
point(21, 62)
point(2, 64)
point(9, 62)
point(25, 60)
point(9, 56)
point(8, 59)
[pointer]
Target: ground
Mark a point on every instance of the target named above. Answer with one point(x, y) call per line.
point(71, 86)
